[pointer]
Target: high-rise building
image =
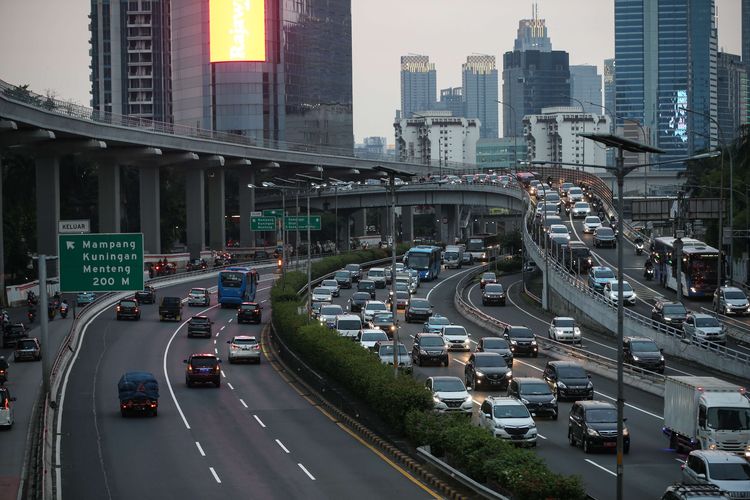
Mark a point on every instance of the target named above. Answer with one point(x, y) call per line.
point(480, 93)
point(532, 34)
point(451, 99)
point(504, 152)
point(746, 31)
point(130, 58)
point(287, 78)
point(586, 87)
point(609, 102)
point(372, 147)
point(437, 139)
point(418, 85)
point(732, 95)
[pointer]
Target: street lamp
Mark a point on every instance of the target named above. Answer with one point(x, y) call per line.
point(309, 265)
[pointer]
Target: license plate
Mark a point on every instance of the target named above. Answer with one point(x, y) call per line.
point(610, 445)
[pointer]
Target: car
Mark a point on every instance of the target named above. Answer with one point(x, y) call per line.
point(575, 194)
point(14, 332)
point(564, 187)
point(435, 324)
point(493, 293)
point(146, 296)
point(384, 350)
point(576, 256)
point(196, 265)
point(128, 308)
point(487, 369)
point(429, 348)
point(328, 313)
point(333, 286)
point(456, 337)
point(723, 469)
point(367, 286)
point(498, 345)
point(669, 312)
point(243, 348)
point(357, 301)
point(450, 395)
point(599, 276)
point(315, 309)
point(199, 325)
point(611, 293)
point(405, 280)
point(704, 328)
point(85, 298)
point(554, 199)
point(348, 325)
point(371, 307)
point(7, 415)
point(402, 299)
point(418, 309)
point(487, 278)
point(559, 231)
point(535, 394)
point(383, 321)
point(580, 209)
point(507, 418)
point(679, 491)
point(344, 278)
point(644, 353)
point(321, 294)
point(202, 368)
point(563, 328)
point(355, 270)
point(593, 424)
point(591, 223)
point(249, 312)
point(730, 300)
point(368, 337)
point(568, 380)
point(521, 340)
point(377, 275)
point(414, 276)
point(28, 348)
point(402, 285)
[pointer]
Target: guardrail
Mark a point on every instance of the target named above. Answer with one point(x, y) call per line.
point(462, 478)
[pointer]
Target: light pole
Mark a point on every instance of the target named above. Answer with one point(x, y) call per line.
point(309, 251)
point(394, 302)
point(515, 135)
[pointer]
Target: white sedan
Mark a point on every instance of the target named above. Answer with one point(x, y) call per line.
point(563, 328)
point(455, 337)
point(591, 223)
point(332, 285)
point(321, 294)
point(628, 294)
point(580, 209)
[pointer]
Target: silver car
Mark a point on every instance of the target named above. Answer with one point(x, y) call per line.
point(7, 418)
point(704, 328)
point(590, 223)
point(724, 469)
point(243, 348)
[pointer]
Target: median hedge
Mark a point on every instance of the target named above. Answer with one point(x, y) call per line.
point(403, 403)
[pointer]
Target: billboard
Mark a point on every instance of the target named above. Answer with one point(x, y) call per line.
point(238, 30)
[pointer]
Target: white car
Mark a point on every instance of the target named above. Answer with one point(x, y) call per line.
point(199, 297)
point(328, 314)
point(7, 417)
point(348, 325)
point(508, 418)
point(243, 348)
point(556, 230)
point(628, 294)
point(580, 209)
point(563, 328)
point(332, 285)
point(377, 274)
point(704, 327)
point(371, 308)
point(591, 223)
point(322, 295)
point(450, 395)
point(368, 337)
point(724, 469)
point(575, 194)
point(455, 337)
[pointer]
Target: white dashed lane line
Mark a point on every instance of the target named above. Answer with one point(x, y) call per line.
point(200, 449)
point(600, 467)
point(222, 373)
point(243, 403)
point(259, 421)
point(306, 472)
point(282, 446)
point(230, 385)
point(216, 476)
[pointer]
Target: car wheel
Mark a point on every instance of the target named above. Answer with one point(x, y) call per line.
point(535, 355)
point(418, 361)
point(118, 317)
point(467, 382)
point(231, 361)
point(571, 439)
point(123, 412)
point(154, 412)
point(554, 416)
point(217, 382)
point(188, 382)
point(586, 447)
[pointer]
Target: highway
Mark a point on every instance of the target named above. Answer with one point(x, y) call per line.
point(255, 436)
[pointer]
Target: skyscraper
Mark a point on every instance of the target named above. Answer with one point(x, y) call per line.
point(586, 86)
point(130, 58)
point(532, 34)
point(480, 93)
point(609, 87)
point(452, 99)
point(418, 85)
point(732, 95)
point(746, 31)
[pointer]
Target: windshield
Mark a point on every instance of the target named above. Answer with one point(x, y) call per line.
point(454, 330)
point(707, 322)
point(249, 307)
point(625, 287)
point(377, 306)
point(419, 261)
point(571, 372)
point(26, 344)
point(374, 336)
point(604, 274)
point(495, 287)
point(451, 255)
point(575, 190)
point(198, 320)
point(386, 350)
point(604, 231)
point(489, 276)
point(582, 204)
point(322, 291)
point(198, 291)
point(495, 344)
point(675, 309)
point(592, 220)
point(560, 230)
point(331, 310)
point(352, 267)
point(420, 304)
point(511, 411)
point(601, 415)
point(730, 472)
point(231, 279)
point(521, 332)
point(366, 285)
point(439, 321)
point(643, 346)
point(493, 360)
point(431, 342)
point(732, 419)
point(534, 389)
point(377, 273)
point(734, 295)
point(475, 245)
point(448, 385)
point(565, 323)
point(383, 318)
point(349, 324)
point(343, 275)
point(331, 283)
point(127, 303)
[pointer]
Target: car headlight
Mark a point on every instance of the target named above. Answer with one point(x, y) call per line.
point(590, 385)
point(436, 399)
point(591, 432)
point(514, 342)
point(625, 431)
point(636, 358)
point(524, 401)
point(423, 352)
point(561, 385)
point(479, 374)
point(533, 342)
point(661, 358)
point(554, 400)
point(509, 374)
point(468, 399)
point(577, 331)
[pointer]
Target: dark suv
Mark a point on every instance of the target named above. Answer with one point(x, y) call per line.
point(487, 369)
point(366, 286)
point(498, 345)
point(643, 352)
point(668, 312)
point(604, 237)
point(535, 394)
point(249, 312)
point(128, 308)
point(202, 368)
point(429, 348)
point(521, 340)
point(593, 424)
point(568, 379)
point(146, 296)
point(200, 326)
point(493, 293)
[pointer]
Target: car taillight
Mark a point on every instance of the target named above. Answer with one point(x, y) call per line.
point(256, 347)
point(234, 347)
point(118, 308)
point(7, 404)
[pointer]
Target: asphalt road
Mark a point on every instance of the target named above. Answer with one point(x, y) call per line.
point(255, 436)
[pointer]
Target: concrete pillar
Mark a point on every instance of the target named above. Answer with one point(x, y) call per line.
point(453, 215)
point(247, 205)
point(47, 208)
point(195, 211)
point(443, 213)
point(407, 223)
point(360, 222)
point(216, 224)
point(384, 222)
point(109, 198)
point(150, 208)
point(3, 300)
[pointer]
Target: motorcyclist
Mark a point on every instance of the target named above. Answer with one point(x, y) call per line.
point(638, 241)
point(648, 267)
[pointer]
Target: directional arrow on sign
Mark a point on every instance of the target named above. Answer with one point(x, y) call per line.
point(71, 245)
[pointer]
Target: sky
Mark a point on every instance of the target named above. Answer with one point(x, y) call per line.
point(45, 43)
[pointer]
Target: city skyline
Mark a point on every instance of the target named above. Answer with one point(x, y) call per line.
point(376, 58)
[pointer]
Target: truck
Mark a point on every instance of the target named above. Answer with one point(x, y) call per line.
point(138, 393)
point(170, 308)
point(706, 413)
point(454, 256)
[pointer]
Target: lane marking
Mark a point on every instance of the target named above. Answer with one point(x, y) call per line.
point(243, 403)
point(217, 333)
point(214, 342)
point(216, 476)
point(459, 361)
point(282, 446)
point(222, 328)
point(200, 449)
point(230, 320)
point(216, 351)
point(539, 435)
point(446, 280)
point(230, 385)
point(259, 421)
point(601, 467)
point(306, 472)
point(223, 374)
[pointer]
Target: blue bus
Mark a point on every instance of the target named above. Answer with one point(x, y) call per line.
point(425, 259)
point(237, 285)
point(700, 266)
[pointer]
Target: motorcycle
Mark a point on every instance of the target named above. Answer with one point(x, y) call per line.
point(51, 312)
point(31, 315)
point(648, 273)
point(31, 298)
point(639, 248)
point(64, 310)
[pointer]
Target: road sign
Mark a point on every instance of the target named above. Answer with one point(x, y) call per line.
point(73, 226)
point(274, 212)
point(263, 223)
point(292, 223)
point(101, 262)
point(256, 214)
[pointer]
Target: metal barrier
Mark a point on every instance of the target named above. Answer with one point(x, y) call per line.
point(477, 488)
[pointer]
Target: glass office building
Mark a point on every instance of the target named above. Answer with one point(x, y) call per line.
point(418, 85)
point(480, 93)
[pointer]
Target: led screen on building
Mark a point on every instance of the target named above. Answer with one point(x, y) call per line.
point(237, 30)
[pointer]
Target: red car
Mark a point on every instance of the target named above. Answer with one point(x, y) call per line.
point(249, 312)
point(487, 278)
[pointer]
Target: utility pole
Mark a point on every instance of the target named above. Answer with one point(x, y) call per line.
point(679, 233)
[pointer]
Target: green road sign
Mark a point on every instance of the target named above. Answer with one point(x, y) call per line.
point(101, 262)
point(274, 212)
point(292, 223)
point(265, 223)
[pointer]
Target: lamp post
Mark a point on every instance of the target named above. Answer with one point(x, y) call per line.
point(309, 265)
point(515, 136)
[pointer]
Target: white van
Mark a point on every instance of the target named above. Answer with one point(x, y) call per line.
point(348, 325)
point(377, 274)
point(454, 256)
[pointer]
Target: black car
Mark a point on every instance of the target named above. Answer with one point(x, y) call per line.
point(498, 345)
point(418, 309)
point(593, 424)
point(383, 321)
point(493, 293)
point(535, 394)
point(202, 368)
point(13, 333)
point(568, 379)
point(521, 340)
point(356, 271)
point(487, 278)
point(146, 296)
point(344, 278)
point(429, 348)
point(670, 313)
point(643, 352)
point(680, 491)
point(358, 301)
point(367, 286)
point(196, 265)
point(200, 326)
point(128, 308)
point(487, 369)
point(249, 312)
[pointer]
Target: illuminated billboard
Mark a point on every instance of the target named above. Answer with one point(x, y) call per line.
point(237, 30)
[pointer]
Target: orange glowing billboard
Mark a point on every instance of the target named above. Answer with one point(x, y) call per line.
point(237, 30)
